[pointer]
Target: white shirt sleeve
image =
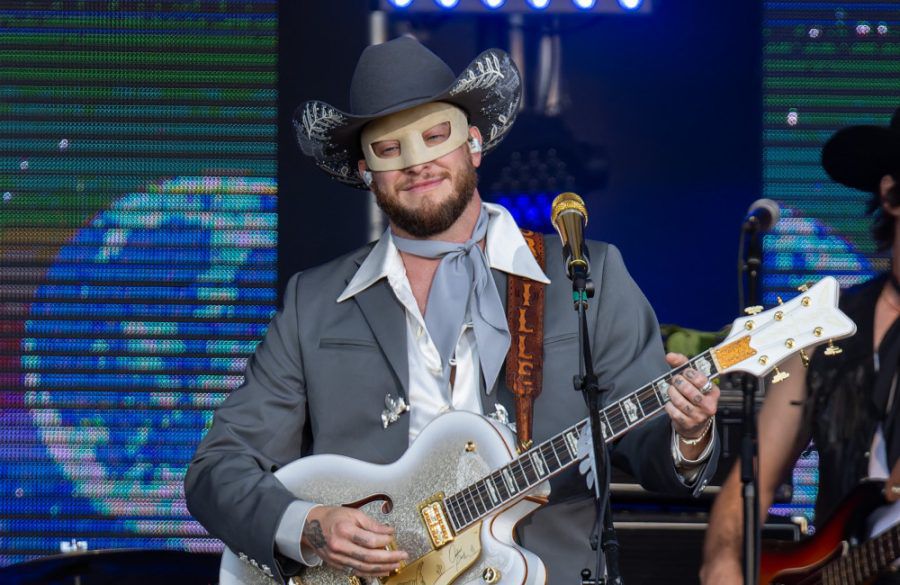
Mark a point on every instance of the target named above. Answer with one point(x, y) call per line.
point(290, 530)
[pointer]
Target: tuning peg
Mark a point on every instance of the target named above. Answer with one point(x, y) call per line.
point(832, 349)
point(755, 309)
point(780, 376)
point(780, 302)
point(804, 357)
point(804, 287)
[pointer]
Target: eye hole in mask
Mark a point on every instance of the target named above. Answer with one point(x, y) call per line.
point(435, 135)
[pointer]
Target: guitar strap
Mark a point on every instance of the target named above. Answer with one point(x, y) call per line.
point(525, 360)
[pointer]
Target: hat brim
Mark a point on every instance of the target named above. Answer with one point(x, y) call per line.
point(859, 156)
point(488, 90)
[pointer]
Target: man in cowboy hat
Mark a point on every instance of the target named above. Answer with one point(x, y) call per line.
point(847, 408)
point(371, 347)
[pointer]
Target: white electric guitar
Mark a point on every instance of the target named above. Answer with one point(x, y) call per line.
point(456, 495)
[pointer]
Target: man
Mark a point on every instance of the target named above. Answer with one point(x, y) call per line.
point(417, 319)
point(848, 408)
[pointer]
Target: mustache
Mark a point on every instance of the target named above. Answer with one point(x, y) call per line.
point(422, 179)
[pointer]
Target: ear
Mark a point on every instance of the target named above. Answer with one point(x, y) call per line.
point(361, 167)
point(475, 133)
point(889, 206)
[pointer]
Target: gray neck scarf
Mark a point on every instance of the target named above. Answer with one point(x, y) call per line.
point(463, 281)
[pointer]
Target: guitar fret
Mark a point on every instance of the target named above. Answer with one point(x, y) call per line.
point(480, 501)
point(476, 500)
point(605, 428)
point(561, 450)
point(451, 510)
point(500, 483)
point(662, 390)
point(549, 446)
point(492, 491)
point(525, 466)
point(540, 465)
point(509, 481)
point(571, 444)
point(469, 515)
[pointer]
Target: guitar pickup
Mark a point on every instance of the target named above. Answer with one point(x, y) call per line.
point(434, 515)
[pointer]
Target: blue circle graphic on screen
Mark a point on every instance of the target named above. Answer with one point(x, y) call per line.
point(140, 328)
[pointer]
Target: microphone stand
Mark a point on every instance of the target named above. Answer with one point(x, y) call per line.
point(750, 385)
point(587, 383)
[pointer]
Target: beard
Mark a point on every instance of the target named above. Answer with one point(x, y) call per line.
point(430, 219)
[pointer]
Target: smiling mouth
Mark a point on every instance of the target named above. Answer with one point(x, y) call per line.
point(426, 185)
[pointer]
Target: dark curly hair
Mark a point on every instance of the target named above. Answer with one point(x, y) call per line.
point(883, 223)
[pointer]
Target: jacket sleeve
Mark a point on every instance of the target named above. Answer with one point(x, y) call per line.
point(628, 353)
point(230, 487)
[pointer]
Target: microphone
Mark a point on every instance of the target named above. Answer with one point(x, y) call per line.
point(761, 216)
point(569, 217)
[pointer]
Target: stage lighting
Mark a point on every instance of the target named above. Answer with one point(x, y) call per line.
point(494, 4)
point(630, 4)
point(447, 3)
point(538, 4)
point(585, 4)
point(400, 3)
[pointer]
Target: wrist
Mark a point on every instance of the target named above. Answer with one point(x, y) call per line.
point(693, 441)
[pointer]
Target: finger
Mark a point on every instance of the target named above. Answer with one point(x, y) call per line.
point(371, 524)
point(362, 568)
point(676, 359)
point(368, 539)
point(679, 395)
point(696, 381)
point(371, 556)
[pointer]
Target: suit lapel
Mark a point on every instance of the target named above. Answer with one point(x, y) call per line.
point(386, 318)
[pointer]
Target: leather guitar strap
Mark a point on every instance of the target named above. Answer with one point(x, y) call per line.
point(524, 362)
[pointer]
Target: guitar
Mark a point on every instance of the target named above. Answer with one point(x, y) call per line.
point(827, 557)
point(456, 495)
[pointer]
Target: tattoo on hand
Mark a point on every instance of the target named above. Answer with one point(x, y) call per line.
point(315, 536)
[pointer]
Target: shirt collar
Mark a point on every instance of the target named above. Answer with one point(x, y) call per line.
point(505, 248)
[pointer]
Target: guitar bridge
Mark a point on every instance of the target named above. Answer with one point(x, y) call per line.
point(434, 515)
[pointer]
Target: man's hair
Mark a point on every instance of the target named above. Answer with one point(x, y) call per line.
point(883, 223)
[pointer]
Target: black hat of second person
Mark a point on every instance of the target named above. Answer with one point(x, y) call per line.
point(402, 74)
point(859, 156)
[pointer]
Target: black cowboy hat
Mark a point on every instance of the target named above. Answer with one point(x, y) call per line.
point(398, 75)
point(859, 156)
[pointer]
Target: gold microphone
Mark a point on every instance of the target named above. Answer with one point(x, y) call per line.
point(569, 217)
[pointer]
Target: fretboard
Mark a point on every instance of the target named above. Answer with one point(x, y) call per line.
point(866, 561)
point(554, 455)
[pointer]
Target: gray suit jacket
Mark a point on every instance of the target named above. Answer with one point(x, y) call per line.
point(317, 383)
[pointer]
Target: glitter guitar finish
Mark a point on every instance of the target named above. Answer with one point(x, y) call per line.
point(456, 495)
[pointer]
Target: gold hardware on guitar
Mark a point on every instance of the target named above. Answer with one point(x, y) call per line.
point(524, 446)
point(490, 575)
point(779, 315)
point(780, 376)
point(804, 358)
point(804, 287)
point(435, 518)
point(805, 301)
point(832, 349)
point(754, 310)
point(780, 302)
point(470, 447)
point(763, 360)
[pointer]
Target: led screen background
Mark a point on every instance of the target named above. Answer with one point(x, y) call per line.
point(138, 244)
point(825, 66)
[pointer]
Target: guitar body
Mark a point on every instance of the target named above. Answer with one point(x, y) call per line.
point(452, 452)
point(790, 563)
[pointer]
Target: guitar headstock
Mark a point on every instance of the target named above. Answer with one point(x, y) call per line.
point(759, 342)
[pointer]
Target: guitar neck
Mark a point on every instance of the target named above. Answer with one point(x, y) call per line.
point(560, 452)
point(866, 561)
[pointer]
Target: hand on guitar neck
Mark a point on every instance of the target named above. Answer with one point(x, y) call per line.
point(347, 538)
